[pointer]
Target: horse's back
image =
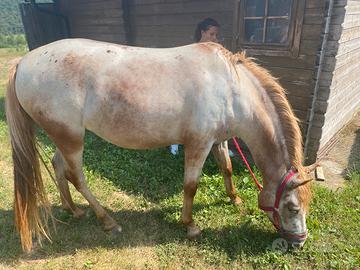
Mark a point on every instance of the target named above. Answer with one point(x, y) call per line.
point(114, 89)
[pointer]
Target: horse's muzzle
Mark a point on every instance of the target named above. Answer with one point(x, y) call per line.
point(296, 240)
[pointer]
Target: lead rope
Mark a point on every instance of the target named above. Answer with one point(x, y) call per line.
point(259, 186)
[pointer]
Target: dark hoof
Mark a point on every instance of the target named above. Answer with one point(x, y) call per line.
point(193, 232)
point(78, 213)
point(236, 201)
point(116, 231)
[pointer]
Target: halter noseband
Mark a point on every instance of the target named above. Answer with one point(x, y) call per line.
point(277, 221)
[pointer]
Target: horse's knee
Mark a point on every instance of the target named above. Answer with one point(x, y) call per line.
point(190, 188)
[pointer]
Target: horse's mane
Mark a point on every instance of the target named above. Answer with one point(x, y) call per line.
point(288, 120)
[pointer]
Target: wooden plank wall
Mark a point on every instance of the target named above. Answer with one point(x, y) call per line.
point(341, 73)
point(153, 23)
point(96, 19)
point(297, 75)
point(40, 27)
point(159, 23)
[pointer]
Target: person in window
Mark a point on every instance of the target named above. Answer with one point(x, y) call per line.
point(206, 31)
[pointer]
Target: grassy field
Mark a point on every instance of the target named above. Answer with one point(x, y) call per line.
point(142, 190)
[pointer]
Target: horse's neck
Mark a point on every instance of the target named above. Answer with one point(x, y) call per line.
point(269, 157)
point(262, 133)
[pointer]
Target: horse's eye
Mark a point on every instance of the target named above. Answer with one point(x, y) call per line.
point(294, 209)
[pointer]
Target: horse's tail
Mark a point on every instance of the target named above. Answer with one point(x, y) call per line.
point(29, 189)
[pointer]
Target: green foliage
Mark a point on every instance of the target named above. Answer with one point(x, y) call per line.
point(11, 29)
point(10, 20)
point(13, 41)
point(353, 175)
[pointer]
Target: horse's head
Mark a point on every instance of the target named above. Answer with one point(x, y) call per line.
point(286, 206)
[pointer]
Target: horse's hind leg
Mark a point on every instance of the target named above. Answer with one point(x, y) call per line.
point(58, 163)
point(195, 156)
point(74, 173)
point(221, 154)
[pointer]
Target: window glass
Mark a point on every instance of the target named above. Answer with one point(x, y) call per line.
point(277, 31)
point(255, 8)
point(279, 7)
point(254, 30)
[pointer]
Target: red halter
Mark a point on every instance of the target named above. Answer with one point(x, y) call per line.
point(286, 181)
point(277, 221)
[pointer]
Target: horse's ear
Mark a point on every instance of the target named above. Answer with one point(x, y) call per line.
point(310, 168)
point(298, 182)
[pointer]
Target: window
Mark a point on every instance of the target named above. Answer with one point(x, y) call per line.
point(269, 27)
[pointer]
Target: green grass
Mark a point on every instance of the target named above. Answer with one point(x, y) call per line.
point(142, 190)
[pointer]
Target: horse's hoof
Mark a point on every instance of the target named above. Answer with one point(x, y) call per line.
point(78, 213)
point(116, 230)
point(236, 201)
point(75, 213)
point(193, 232)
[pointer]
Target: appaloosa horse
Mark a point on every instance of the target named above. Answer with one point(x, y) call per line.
point(198, 95)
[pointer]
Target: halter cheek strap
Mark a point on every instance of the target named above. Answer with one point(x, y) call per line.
point(277, 221)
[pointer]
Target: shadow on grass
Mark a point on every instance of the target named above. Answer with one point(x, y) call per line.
point(2, 109)
point(149, 228)
point(354, 158)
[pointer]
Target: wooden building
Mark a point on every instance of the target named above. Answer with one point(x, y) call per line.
point(312, 46)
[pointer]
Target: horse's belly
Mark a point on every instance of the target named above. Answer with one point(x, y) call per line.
point(129, 137)
point(137, 131)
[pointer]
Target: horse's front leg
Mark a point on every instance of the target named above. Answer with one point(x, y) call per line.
point(221, 155)
point(195, 156)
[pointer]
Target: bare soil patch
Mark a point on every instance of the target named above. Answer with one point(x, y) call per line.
point(344, 156)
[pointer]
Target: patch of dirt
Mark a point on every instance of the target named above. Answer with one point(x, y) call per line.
point(344, 156)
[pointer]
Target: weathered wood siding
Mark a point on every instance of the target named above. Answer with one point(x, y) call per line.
point(151, 23)
point(297, 75)
point(339, 93)
point(159, 23)
point(40, 25)
point(96, 19)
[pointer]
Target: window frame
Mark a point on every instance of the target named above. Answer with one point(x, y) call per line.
point(294, 34)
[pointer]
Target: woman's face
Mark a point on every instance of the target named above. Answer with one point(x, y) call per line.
point(210, 35)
